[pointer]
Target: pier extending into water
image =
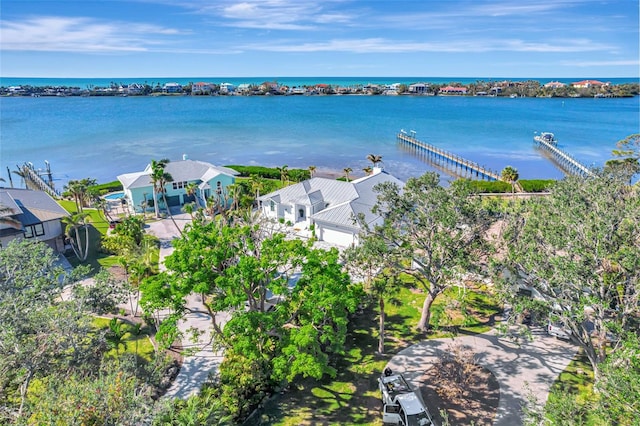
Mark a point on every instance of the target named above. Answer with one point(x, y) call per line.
point(436, 154)
point(33, 178)
point(548, 143)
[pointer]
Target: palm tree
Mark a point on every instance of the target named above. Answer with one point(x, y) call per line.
point(368, 170)
point(375, 159)
point(346, 171)
point(235, 191)
point(312, 170)
point(159, 178)
point(72, 224)
point(6, 219)
point(189, 208)
point(115, 336)
point(510, 174)
point(77, 189)
point(284, 173)
point(192, 191)
point(23, 176)
point(257, 183)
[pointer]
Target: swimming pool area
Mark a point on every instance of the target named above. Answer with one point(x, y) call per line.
point(114, 196)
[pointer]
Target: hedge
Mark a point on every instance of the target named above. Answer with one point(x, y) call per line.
point(105, 188)
point(295, 175)
point(536, 185)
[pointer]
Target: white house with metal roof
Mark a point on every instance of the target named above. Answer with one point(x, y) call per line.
point(31, 214)
point(332, 206)
point(210, 180)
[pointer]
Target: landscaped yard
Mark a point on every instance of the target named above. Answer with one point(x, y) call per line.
point(134, 341)
point(352, 398)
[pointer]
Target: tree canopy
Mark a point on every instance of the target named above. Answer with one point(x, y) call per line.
point(579, 249)
point(436, 233)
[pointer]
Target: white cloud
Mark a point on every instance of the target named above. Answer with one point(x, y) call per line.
point(64, 34)
point(382, 45)
point(584, 64)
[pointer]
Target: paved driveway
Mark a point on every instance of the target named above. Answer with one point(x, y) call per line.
point(200, 357)
point(530, 367)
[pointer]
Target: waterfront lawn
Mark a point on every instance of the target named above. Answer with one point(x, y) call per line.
point(353, 396)
point(98, 228)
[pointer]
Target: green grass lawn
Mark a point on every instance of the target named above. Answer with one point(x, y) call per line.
point(98, 228)
point(352, 397)
point(134, 344)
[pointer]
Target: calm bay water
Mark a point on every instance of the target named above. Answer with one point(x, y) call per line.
point(101, 137)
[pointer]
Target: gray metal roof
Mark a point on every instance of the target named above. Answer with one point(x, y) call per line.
point(313, 190)
point(345, 200)
point(34, 206)
point(180, 171)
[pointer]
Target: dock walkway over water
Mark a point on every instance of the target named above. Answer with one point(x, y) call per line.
point(409, 140)
point(32, 176)
point(547, 142)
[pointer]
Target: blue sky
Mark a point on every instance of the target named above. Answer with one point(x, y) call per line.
point(216, 38)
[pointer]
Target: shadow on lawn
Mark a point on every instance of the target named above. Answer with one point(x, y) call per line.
point(350, 398)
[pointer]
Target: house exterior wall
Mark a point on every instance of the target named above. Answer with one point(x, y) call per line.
point(336, 235)
point(52, 236)
point(135, 196)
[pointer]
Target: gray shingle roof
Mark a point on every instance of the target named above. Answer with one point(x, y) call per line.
point(34, 206)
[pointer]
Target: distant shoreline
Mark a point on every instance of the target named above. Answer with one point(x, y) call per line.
point(490, 88)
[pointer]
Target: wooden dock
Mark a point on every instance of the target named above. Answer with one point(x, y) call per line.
point(547, 142)
point(409, 140)
point(33, 178)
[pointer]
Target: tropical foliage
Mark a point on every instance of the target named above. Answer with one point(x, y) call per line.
point(578, 249)
point(436, 234)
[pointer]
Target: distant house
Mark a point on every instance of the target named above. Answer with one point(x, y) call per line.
point(453, 90)
point(135, 89)
point(270, 87)
point(585, 84)
point(332, 206)
point(172, 88)
point(209, 179)
point(554, 85)
point(31, 214)
point(244, 88)
point(227, 88)
point(418, 88)
point(202, 88)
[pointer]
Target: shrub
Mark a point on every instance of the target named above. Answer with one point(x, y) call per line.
point(295, 175)
point(104, 188)
point(536, 185)
point(492, 187)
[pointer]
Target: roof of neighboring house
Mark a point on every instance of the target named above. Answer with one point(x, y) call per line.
point(588, 82)
point(180, 171)
point(453, 89)
point(32, 206)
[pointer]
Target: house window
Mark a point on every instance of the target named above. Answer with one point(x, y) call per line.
point(179, 185)
point(36, 230)
point(301, 213)
point(272, 206)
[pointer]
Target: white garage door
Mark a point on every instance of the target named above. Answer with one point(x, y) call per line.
point(334, 236)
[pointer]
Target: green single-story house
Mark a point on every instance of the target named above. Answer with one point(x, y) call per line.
point(210, 180)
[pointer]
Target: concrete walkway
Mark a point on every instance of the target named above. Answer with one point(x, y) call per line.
point(200, 359)
point(528, 368)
